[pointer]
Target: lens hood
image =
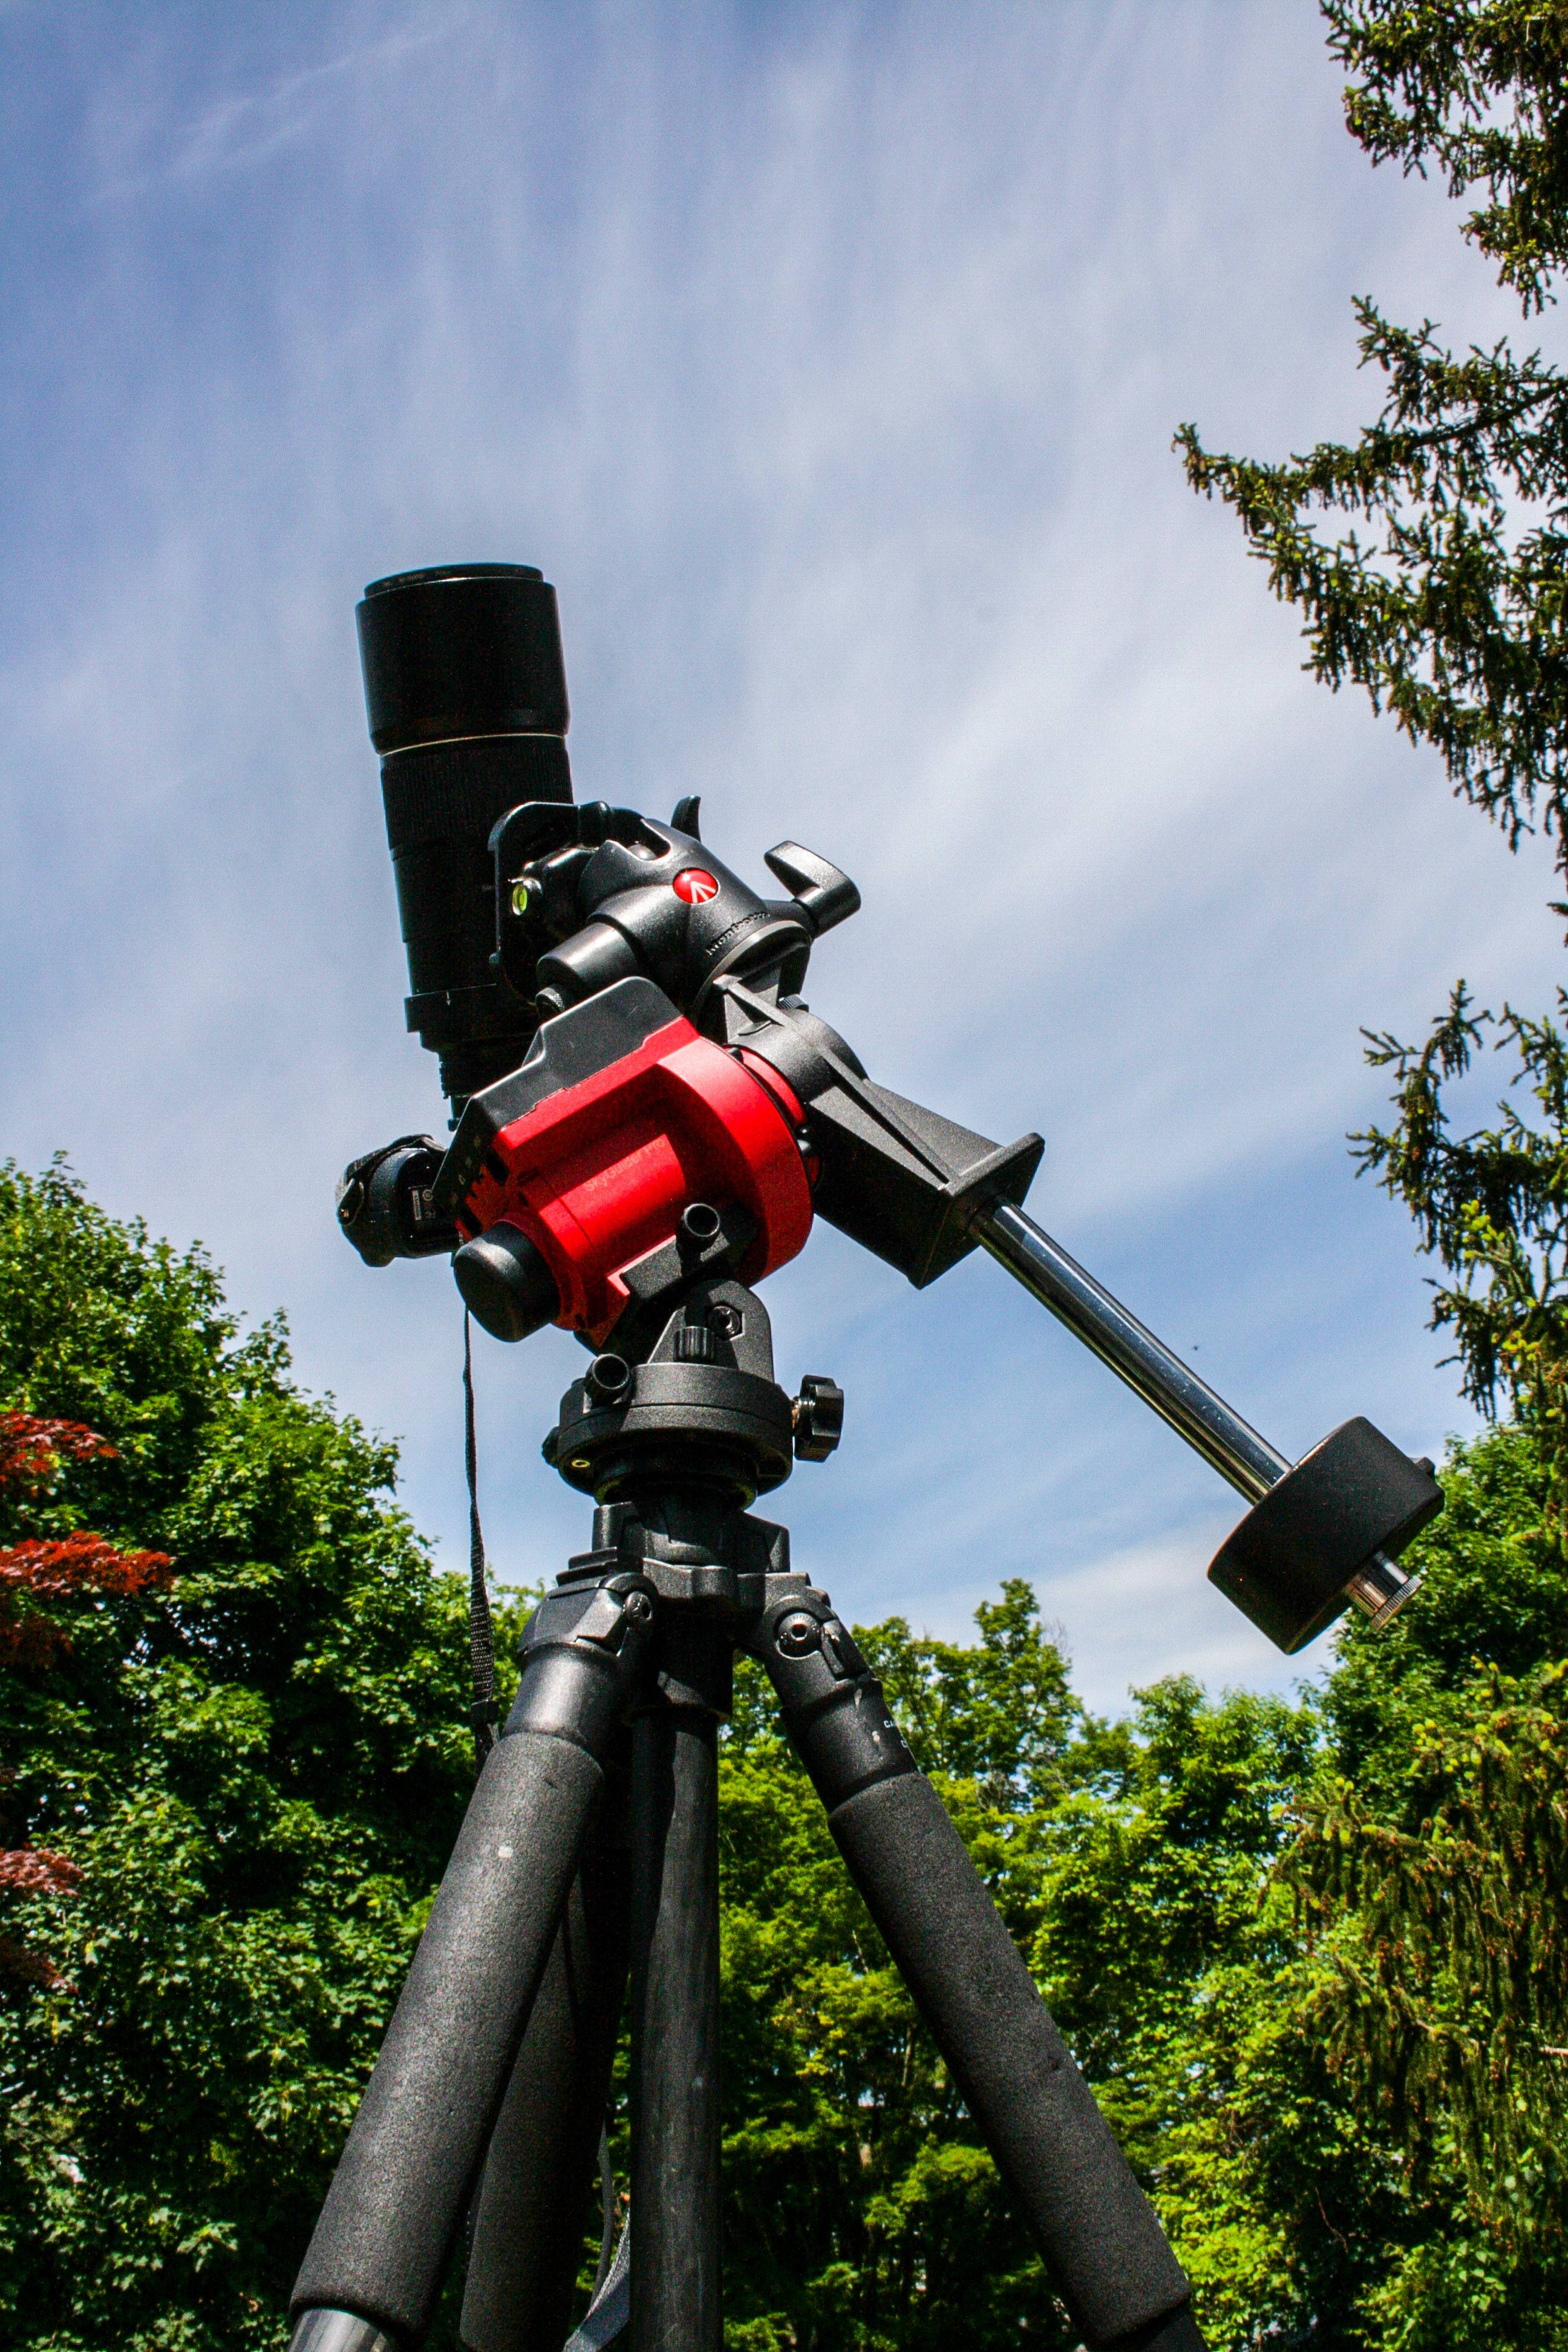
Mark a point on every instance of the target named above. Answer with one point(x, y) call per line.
point(461, 650)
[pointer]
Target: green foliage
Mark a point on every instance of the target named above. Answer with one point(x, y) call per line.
point(1444, 1995)
point(1002, 1713)
point(1482, 91)
point(1367, 2166)
point(1160, 1951)
point(257, 1773)
point(1452, 616)
point(1430, 1867)
point(1494, 1601)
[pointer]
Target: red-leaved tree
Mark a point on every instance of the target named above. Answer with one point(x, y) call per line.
point(36, 1575)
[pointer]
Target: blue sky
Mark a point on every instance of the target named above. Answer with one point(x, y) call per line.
point(827, 358)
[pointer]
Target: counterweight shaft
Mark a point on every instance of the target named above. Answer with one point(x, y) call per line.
point(1170, 1387)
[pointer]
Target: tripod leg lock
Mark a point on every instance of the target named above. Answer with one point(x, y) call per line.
point(604, 1627)
point(833, 1704)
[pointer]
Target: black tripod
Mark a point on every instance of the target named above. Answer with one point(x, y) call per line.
point(592, 1842)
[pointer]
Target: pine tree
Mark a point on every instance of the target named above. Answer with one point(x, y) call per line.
point(1444, 600)
point(1432, 1859)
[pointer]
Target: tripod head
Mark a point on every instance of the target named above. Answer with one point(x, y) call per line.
point(645, 1108)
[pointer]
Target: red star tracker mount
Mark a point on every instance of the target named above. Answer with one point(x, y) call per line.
point(648, 1119)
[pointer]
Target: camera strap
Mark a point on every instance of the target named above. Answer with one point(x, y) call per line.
point(481, 1638)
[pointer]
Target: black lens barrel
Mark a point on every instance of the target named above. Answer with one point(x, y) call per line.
point(466, 692)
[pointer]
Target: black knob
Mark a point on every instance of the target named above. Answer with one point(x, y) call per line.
point(385, 1205)
point(818, 1418)
point(695, 1344)
point(607, 1380)
point(507, 1286)
point(699, 1225)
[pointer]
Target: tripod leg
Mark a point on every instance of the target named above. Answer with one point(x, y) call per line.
point(403, 2184)
point(527, 2235)
point(1092, 2222)
point(675, 2129)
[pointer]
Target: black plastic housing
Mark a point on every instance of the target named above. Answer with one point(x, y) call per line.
point(899, 1179)
point(466, 695)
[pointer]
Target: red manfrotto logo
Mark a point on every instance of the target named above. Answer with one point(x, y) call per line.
point(696, 886)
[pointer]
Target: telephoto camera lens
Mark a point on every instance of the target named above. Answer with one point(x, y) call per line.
point(466, 690)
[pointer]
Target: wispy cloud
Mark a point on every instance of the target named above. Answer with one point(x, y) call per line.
point(143, 140)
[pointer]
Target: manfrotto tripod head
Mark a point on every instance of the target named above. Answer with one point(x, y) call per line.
point(645, 1105)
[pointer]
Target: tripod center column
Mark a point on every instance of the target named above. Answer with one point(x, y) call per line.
point(677, 2304)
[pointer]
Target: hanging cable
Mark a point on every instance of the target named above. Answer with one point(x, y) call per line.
point(607, 2211)
point(481, 1637)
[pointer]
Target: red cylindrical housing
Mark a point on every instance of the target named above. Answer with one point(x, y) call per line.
point(598, 1174)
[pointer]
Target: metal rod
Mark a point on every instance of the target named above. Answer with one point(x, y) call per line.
point(1174, 1390)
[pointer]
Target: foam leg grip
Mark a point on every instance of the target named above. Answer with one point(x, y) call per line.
point(403, 2185)
point(1093, 2224)
point(528, 2231)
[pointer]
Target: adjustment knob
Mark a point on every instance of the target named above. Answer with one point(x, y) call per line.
point(824, 894)
point(818, 1417)
point(507, 1286)
point(385, 1205)
point(608, 1381)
